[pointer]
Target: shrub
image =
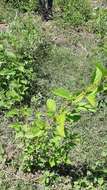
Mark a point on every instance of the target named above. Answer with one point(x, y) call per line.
point(48, 139)
point(22, 51)
point(14, 79)
point(75, 12)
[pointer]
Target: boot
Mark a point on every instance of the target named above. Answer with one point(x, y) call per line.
point(45, 15)
point(50, 14)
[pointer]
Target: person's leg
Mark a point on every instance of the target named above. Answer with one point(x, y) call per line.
point(43, 9)
point(50, 4)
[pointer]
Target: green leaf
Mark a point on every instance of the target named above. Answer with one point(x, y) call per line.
point(13, 112)
point(61, 122)
point(92, 99)
point(105, 87)
point(29, 135)
point(102, 69)
point(12, 94)
point(104, 154)
point(79, 98)
point(16, 126)
point(25, 128)
point(105, 171)
point(56, 140)
point(84, 106)
point(98, 76)
point(7, 73)
point(51, 105)
point(100, 181)
point(25, 111)
point(40, 124)
point(1, 47)
point(34, 132)
point(63, 93)
point(51, 162)
point(20, 134)
point(91, 88)
point(10, 54)
point(73, 117)
point(21, 68)
point(2, 104)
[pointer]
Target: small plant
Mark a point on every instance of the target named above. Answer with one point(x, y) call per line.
point(98, 23)
point(75, 12)
point(22, 51)
point(45, 139)
point(24, 5)
point(96, 176)
point(48, 139)
point(14, 78)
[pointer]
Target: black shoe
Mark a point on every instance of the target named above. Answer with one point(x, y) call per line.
point(50, 17)
point(45, 18)
point(50, 14)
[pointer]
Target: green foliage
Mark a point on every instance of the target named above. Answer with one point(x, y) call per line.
point(44, 140)
point(75, 12)
point(98, 23)
point(48, 139)
point(22, 51)
point(24, 5)
point(86, 184)
point(14, 79)
point(96, 176)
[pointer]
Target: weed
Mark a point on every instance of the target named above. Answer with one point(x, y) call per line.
point(75, 12)
point(22, 51)
point(48, 139)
